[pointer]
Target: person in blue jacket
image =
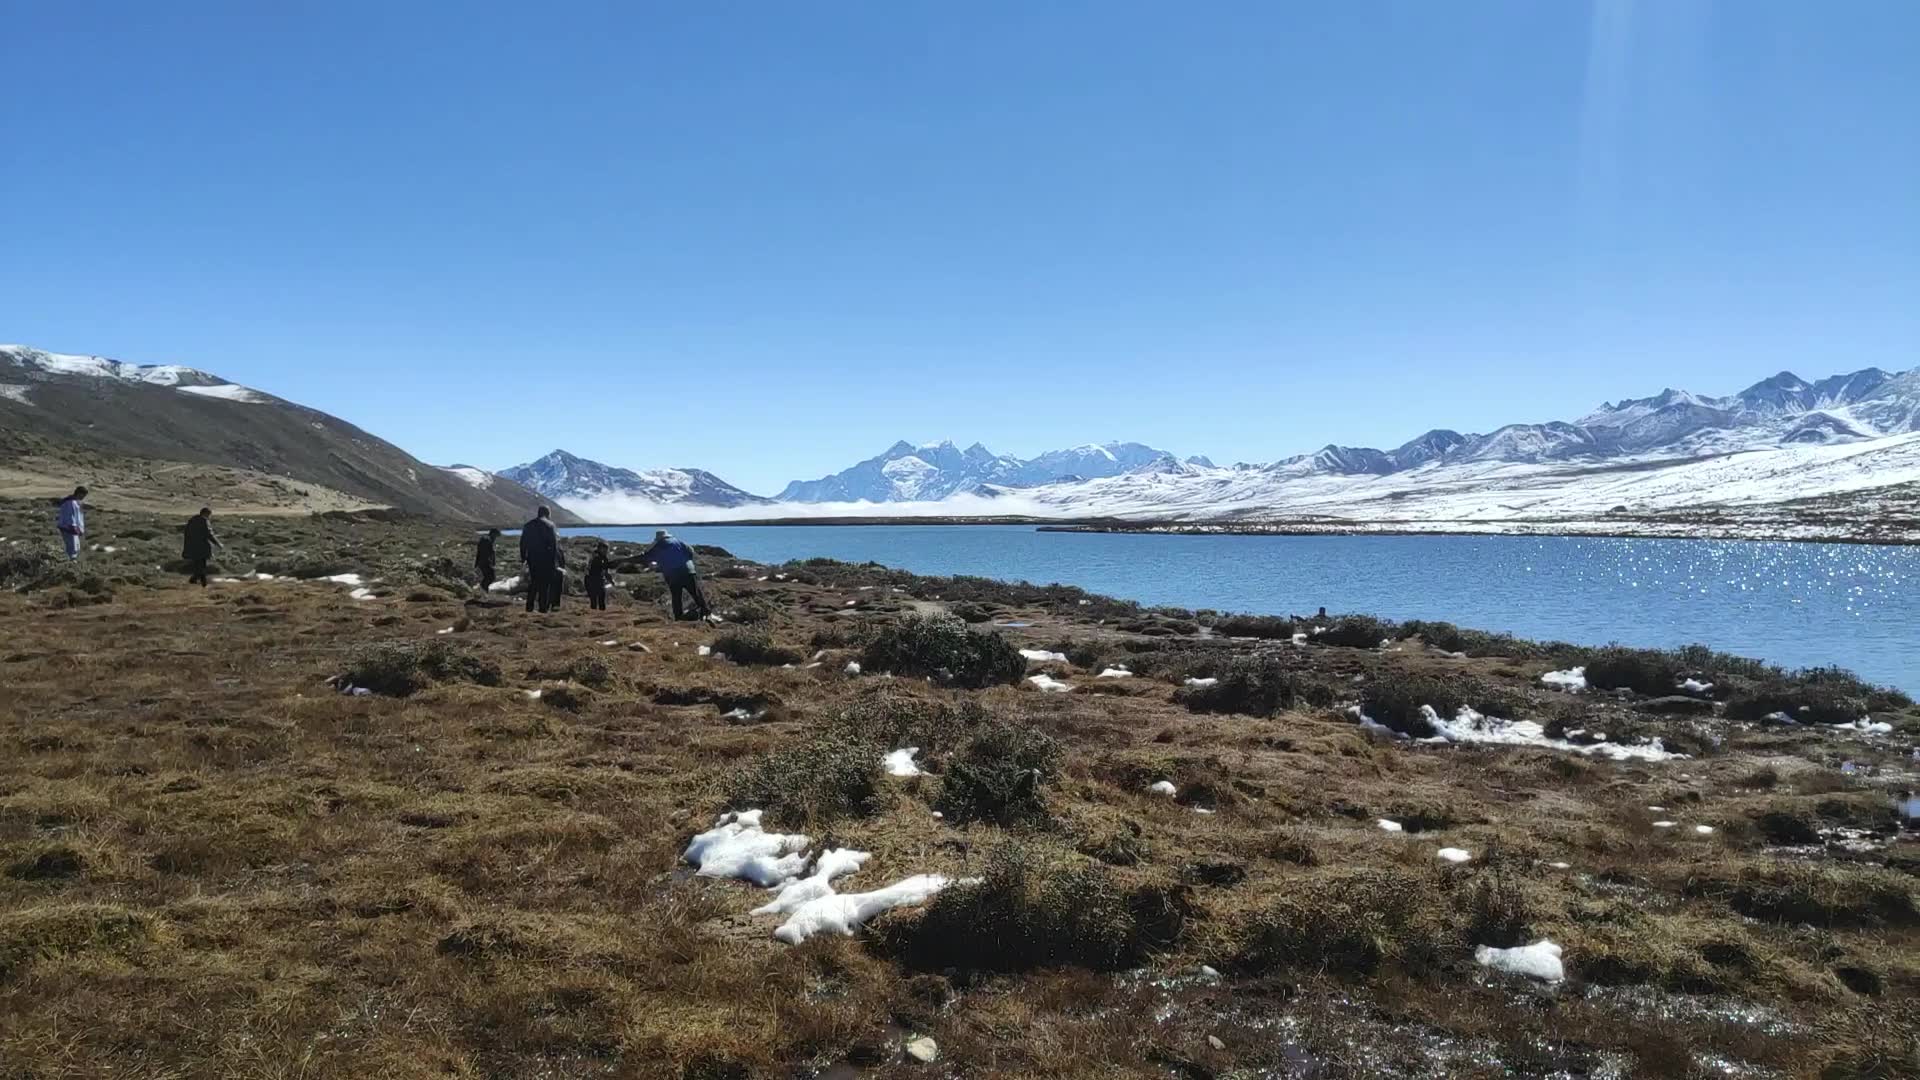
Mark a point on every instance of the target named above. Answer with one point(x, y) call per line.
point(674, 559)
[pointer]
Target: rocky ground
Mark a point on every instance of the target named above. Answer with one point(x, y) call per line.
point(216, 859)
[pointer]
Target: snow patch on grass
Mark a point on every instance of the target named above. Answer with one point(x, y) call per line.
point(1572, 680)
point(1540, 960)
point(901, 763)
point(1042, 656)
point(1049, 684)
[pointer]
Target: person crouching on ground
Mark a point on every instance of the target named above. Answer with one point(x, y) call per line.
point(674, 559)
point(199, 546)
point(598, 578)
point(483, 558)
point(73, 521)
point(540, 551)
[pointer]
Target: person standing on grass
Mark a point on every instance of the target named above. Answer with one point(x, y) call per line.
point(199, 546)
point(674, 559)
point(598, 578)
point(483, 559)
point(73, 521)
point(540, 551)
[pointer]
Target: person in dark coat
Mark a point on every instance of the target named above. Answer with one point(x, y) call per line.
point(483, 558)
point(540, 551)
point(557, 584)
point(598, 578)
point(674, 559)
point(199, 546)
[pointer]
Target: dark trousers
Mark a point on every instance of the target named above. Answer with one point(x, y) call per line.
point(556, 587)
point(197, 572)
point(486, 576)
point(688, 582)
point(597, 595)
point(540, 586)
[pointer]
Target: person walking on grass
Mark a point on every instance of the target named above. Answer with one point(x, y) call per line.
point(73, 521)
point(199, 546)
point(599, 578)
point(483, 558)
point(674, 559)
point(540, 551)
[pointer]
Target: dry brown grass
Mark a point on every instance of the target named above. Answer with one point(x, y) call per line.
point(213, 864)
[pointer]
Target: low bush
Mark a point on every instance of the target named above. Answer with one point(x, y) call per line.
point(1451, 638)
point(754, 647)
point(400, 669)
point(1816, 895)
point(1257, 686)
point(1644, 671)
point(1803, 703)
point(1278, 627)
point(751, 611)
point(1394, 698)
point(832, 776)
point(945, 649)
point(304, 567)
point(1356, 632)
point(998, 776)
point(1038, 907)
point(887, 717)
point(1347, 922)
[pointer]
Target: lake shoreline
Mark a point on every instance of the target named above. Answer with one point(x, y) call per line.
point(1904, 535)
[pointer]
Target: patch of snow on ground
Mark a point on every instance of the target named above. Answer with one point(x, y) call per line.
point(227, 392)
point(1191, 681)
point(1572, 680)
point(1695, 686)
point(1663, 824)
point(833, 863)
point(1453, 854)
point(505, 586)
point(1540, 960)
point(1703, 830)
point(852, 668)
point(900, 762)
point(1049, 684)
point(737, 847)
point(1163, 787)
point(1391, 826)
point(1866, 725)
point(704, 650)
point(479, 478)
point(361, 594)
point(1469, 726)
point(1115, 673)
point(845, 913)
point(15, 392)
point(1042, 656)
point(345, 579)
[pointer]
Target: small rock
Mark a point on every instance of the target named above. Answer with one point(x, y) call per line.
point(923, 1049)
point(1214, 1041)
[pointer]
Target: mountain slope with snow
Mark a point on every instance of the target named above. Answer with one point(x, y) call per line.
point(82, 405)
point(932, 471)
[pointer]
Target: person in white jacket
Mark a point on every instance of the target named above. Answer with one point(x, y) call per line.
point(73, 521)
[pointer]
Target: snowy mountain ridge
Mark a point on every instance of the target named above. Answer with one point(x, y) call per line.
point(567, 478)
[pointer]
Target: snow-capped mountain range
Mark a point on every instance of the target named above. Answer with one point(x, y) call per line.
point(933, 471)
point(566, 478)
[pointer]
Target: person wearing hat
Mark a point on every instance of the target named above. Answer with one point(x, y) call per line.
point(674, 559)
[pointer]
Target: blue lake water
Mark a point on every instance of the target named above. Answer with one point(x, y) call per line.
point(1793, 604)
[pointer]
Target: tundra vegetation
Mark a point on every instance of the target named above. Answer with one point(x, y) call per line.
point(218, 860)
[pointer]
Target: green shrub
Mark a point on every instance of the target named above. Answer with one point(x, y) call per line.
point(1256, 686)
point(944, 648)
point(998, 776)
point(754, 647)
point(1039, 907)
point(832, 776)
point(399, 670)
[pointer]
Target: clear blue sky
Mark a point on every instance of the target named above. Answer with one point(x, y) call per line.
point(771, 238)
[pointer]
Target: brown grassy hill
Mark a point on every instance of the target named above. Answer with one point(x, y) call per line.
point(51, 413)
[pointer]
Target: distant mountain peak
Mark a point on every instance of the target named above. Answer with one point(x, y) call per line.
point(566, 477)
